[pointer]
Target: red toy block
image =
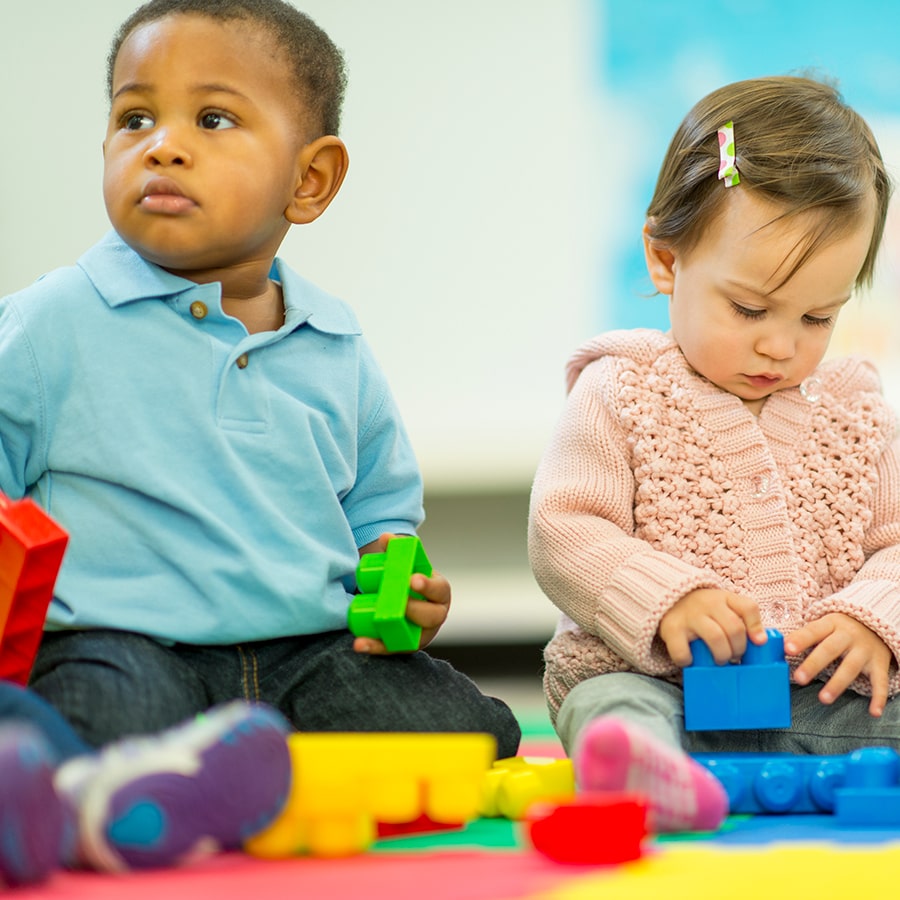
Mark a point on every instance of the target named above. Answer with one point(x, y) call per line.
point(422, 825)
point(31, 551)
point(593, 828)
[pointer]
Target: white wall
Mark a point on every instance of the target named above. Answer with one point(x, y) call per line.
point(464, 235)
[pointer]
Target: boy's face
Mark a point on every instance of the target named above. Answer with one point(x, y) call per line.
point(201, 157)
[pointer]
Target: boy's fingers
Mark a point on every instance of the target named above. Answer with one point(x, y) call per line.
point(369, 646)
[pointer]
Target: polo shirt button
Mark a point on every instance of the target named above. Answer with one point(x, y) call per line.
point(242, 361)
point(199, 310)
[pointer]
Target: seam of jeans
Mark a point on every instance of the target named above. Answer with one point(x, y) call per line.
point(249, 674)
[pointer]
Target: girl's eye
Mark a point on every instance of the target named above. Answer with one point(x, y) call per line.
point(214, 121)
point(137, 122)
point(746, 312)
point(825, 322)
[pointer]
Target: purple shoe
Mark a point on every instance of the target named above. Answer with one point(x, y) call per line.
point(31, 814)
point(204, 786)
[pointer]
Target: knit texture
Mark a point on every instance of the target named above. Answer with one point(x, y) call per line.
point(657, 483)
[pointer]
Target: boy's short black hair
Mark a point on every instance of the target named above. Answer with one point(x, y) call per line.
point(318, 69)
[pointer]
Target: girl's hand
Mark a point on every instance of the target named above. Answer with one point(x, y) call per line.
point(837, 636)
point(721, 619)
point(430, 613)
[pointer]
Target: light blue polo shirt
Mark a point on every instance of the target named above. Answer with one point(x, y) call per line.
point(216, 485)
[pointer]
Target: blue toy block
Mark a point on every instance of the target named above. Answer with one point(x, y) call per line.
point(762, 783)
point(860, 788)
point(753, 693)
point(870, 794)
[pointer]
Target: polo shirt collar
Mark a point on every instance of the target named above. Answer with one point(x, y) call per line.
point(122, 276)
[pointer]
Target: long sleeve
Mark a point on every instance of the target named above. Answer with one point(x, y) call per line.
point(581, 543)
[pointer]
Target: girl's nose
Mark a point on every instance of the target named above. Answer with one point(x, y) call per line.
point(776, 344)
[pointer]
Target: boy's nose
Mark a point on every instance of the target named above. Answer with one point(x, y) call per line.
point(167, 150)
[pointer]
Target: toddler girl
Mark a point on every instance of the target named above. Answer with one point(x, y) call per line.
point(720, 479)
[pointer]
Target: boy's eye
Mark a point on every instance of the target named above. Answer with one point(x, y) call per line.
point(215, 121)
point(137, 122)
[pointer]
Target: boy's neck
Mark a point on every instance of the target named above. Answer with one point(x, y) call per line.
point(264, 312)
point(247, 294)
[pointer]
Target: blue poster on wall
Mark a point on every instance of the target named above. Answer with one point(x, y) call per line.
point(656, 58)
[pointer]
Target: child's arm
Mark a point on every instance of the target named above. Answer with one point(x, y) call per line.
point(581, 540)
point(430, 613)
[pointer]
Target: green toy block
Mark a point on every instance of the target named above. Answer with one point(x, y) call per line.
point(379, 610)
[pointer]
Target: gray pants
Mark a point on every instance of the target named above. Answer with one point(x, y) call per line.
point(658, 706)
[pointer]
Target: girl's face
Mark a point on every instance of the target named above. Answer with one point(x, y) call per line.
point(736, 324)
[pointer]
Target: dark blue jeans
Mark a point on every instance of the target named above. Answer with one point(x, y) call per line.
point(112, 683)
point(20, 705)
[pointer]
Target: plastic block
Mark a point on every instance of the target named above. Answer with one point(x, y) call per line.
point(422, 825)
point(379, 610)
point(593, 828)
point(31, 551)
point(344, 785)
point(514, 784)
point(870, 795)
point(761, 783)
point(754, 693)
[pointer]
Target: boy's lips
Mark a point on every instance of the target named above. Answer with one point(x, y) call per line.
point(163, 195)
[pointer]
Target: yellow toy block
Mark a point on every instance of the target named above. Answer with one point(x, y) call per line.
point(344, 784)
point(512, 785)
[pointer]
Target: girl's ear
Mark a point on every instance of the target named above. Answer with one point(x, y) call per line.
point(322, 166)
point(660, 263)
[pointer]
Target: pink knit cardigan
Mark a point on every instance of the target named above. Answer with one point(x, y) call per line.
point(657, 482)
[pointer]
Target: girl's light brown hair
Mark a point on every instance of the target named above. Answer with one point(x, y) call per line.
point(797, 144)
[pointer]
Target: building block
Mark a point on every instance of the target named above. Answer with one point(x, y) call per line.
point(344, 785)
point(860, 788)
point(31, 551)
point(870, 793)
point(422, 825)
point(379, 610)
point(761, 783)
point(592, 828)
point(513, 785)
point(754, 693)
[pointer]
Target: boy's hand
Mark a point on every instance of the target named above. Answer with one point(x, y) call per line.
point(430, 613)
point(837, 636)
point(721, 619)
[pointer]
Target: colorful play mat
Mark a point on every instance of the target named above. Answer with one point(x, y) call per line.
point(758, 857)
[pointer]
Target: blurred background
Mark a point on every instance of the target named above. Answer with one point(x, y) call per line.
point(502, 155)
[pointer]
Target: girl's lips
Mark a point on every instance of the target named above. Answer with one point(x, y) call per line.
point(764, 381)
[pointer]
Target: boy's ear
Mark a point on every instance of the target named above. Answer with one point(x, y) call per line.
point(321, 170)
point(660, 263)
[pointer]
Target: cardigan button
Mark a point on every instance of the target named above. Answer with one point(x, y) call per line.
point(761, 485)
point(811, 389)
